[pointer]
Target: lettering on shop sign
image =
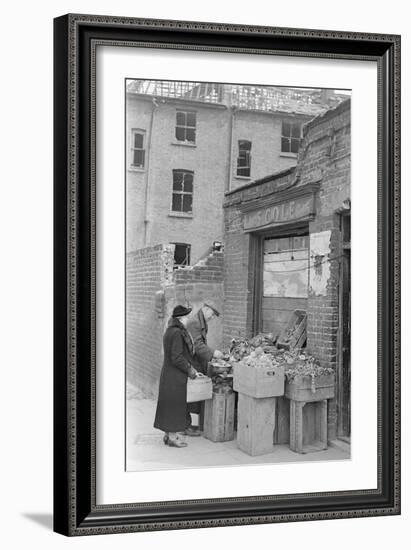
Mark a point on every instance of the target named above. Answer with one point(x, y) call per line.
point(284, 212)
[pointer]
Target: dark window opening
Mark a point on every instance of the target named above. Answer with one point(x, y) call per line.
point(346, 228)
point(137, 149)
point(290, 136)
point(181, 254)
point(244, 158)
point(182, 200)
point(186, 126)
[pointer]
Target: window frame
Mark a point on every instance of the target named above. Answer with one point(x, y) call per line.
point(290, 137)
point(132, 149)
point(247, 155)
point(185, 127)
point(188, 213)
point(188, 254)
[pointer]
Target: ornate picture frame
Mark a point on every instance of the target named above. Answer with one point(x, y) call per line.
point(76, 39)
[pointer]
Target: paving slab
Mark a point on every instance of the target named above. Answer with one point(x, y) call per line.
point(146, 449)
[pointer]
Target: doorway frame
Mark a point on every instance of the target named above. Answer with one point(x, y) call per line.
point(345, 250)
point(255, 285)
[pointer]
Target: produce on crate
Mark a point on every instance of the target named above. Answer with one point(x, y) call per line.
point(262, 340)
point(260, 352)
point(258, 359)
point(307, 367)
point(239, 348)
point(222, 385)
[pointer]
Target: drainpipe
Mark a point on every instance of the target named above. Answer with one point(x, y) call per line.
point(230, 149)
point(147, 186)
point(227, 99)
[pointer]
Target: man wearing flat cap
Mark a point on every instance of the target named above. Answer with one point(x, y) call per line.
point(197, 326)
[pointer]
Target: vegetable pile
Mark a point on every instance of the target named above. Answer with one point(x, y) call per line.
point(307, 367)
point(261, 353)
point(259, 360)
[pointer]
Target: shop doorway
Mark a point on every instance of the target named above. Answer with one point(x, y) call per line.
point(284, 281)
point(344, 363)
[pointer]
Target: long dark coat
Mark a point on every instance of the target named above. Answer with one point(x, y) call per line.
point(171, 413)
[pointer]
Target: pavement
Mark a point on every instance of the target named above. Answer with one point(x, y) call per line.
point(146, 450)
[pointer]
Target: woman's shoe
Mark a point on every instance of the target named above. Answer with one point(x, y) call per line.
point(165, 439)
point(176, 443)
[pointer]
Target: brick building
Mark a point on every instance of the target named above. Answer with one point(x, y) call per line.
point(189, 143)
point(287, 247)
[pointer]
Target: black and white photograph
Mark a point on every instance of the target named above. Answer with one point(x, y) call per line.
point(237, 275)
point(194, 357)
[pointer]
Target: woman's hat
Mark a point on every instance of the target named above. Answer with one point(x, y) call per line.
point(180, 311)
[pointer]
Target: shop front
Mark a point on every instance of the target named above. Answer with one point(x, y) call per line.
point(287, 250)
point(290, 269)
point(279, 237)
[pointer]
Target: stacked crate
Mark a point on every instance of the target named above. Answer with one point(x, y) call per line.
point(219, 417)
point(308, 412)
point(257, 398)
point(294, 334)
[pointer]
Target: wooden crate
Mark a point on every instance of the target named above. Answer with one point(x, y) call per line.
point(282, 422)
point(256, 424)
point(294, 334)
point(258, 383)
point(299, 389)
point(199, 389)
point(219, 417)
point(308, 426)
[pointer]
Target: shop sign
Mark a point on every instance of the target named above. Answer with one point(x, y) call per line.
point(288, 211)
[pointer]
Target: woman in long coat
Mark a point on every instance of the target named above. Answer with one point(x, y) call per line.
point(171, 413)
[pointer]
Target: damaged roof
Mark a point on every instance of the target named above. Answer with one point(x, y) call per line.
point(270, 99)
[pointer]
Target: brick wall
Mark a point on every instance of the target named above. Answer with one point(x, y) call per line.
point(198, 284)
point(147, 271)
point(238, 298)
point(153, 290)
point(328, 147)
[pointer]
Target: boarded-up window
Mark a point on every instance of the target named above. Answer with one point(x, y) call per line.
point(182, 200)
point(244, 158)
point(290, 136)
point(286, 267)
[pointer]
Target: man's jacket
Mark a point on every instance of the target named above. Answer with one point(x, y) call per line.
point(198, 329)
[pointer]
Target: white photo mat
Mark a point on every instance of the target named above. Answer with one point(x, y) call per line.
point(114, 484)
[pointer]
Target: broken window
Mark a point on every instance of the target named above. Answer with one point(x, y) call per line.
point(186, 126)
point(181, 254)
point(137, 148)
point(182, 200)
point(244, 158)
point(290, 136)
